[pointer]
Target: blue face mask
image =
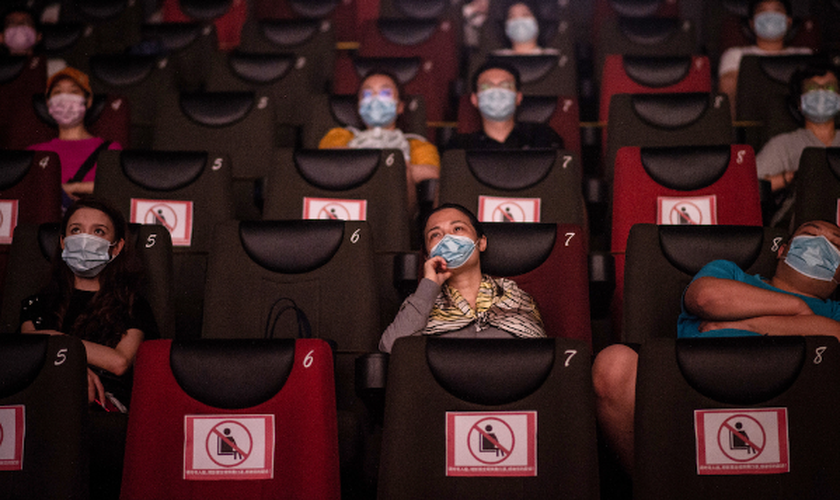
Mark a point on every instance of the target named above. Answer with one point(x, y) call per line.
point(455, 250)
point(813, 256)
point(770, 25)
point(522, 29)
point(378, 111)
point(85, 254)
point(497, 104)
point(820, 106)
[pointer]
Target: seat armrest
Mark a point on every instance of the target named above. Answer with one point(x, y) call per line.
point(601, 283)
point(407, 272)
point(371, 376)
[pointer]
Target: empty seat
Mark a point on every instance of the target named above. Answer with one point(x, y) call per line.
point(636, 8)
point(70, 42)
point(190, 48)
point(213, 419)
point(543, 74)
point(20, 77)
point(342, 15)
point(729, 417)
point(817, 184)
point(519, 413)
point(668, 257)
point(43, 407)
point(114, 24)
point(227, 16)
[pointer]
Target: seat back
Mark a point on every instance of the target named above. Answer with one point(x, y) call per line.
point(114, 24)
point(191, 47)
point(521, 186)
point(441, 396)
point(670, 256)
point(71, 41)
point(712, 413)
point(543, 74)
point(538, 257)
point(817, 184)
point(19, 78)
point(43, 403)
point(260, 415)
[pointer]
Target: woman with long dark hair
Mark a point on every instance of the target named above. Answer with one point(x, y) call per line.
point(93, 296)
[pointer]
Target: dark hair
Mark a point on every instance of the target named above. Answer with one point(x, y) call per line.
point(106, 317)
point(23, 10)
point(474, 222)
point(495, 64)
point(532, 6)
point(817, 66)
point(386, 73)
point(755, 3)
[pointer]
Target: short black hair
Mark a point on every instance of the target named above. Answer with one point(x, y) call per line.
point(786, 3)
point(816, 66)
point(495, 63)
point(479, 228)
point(23, 10)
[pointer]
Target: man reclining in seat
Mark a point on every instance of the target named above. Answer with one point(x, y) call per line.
point(722, 300)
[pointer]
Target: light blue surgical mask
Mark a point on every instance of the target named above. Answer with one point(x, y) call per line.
point(770, 25)
point(522, 29)
point(86, 255)
point(378, 111)
point(497, 104)
point(455, 250)
point(813, 256)
point(820, 106)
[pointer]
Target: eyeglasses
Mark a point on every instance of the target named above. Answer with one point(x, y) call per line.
point(507, 85)
point(830, 86)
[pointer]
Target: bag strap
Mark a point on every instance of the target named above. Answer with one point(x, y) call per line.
point(304, 328)
point(89, 163)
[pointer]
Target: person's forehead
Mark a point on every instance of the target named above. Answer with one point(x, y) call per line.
point(820, 227)
point(519, 10)
point(822, 79)
point(378, 81)
point(87, 215)
point(495, 75)
point(18, 18)
point(770, 5)
point(445, 217)
point(66, 84)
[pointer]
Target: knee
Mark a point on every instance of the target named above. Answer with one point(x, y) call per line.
point(614, 372)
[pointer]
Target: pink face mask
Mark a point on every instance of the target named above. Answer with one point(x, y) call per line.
point(20, 38)
point(67, 110)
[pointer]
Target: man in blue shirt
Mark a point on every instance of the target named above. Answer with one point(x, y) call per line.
point(722, 300)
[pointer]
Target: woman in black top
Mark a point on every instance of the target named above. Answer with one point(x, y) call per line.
point(93, 296)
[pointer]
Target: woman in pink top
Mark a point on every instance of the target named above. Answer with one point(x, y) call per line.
point(69, 96)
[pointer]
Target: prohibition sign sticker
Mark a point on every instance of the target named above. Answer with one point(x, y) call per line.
point(687, 211)
point(751, 441)
point(497, 209)
point(491, 444)
point(335, 209)
point(175, 215)
point(8, 220)
point(238, 447)
point(12, 433)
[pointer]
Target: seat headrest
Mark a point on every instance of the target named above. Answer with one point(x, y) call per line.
point(11, 67)
point(101, 10)
point(21, 360)
point(739, 8)
point(670, 111)
point(635, 8)
point(173, 37)
point(344, 109)
point(232, 374)
point(337, 170)
point(162, 170)
point(648, 30)
point(689, 248)
point(832, 156)
point(536, 108)
point(741, 370)
point(511, 170)
point(686, 168)
point(421, 9)
point(292, 246)
point(514, 249)
point(781, 68)
point(403, 68)
point(657, 72)
point(313, 9)
point(261, 68)
point(490, 371)
point(217, 109)
point(531, 68)
point(289, 32)
point(48, 236)
point(205, 10)
point(14, 165)
point(60, 37)
point(122, 70)
point(406, 31)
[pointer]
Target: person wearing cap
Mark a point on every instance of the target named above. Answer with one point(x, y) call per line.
point(496, 95)
point(69, 96)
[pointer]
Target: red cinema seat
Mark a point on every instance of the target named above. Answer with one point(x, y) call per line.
point(209, 415)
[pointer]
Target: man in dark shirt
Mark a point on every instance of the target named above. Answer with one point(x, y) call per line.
point(496, 95)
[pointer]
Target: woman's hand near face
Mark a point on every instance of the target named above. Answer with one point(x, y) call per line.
point(435, 269)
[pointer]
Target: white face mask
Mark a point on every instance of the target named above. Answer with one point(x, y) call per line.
point(86, 254)
point(68, 110)
point(19, 39)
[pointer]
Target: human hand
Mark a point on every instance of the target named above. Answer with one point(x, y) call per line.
point(435, 269)
point(96, 391)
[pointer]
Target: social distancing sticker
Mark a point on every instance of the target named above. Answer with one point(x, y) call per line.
point(12, 433)
point(175, 215)
point(687, 211)
point(8, 220)
point(498, 444)
point(498, 209)
point(230, 447)
point(733, 442)
point(335, 209)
